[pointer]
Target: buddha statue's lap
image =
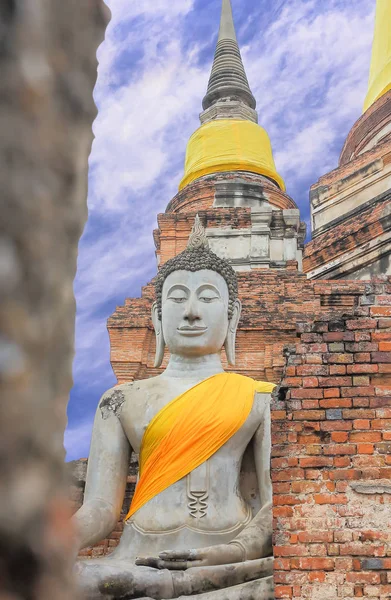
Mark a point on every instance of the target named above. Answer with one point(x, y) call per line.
point(193, 513)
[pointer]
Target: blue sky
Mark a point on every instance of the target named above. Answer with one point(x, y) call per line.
point(307, 62)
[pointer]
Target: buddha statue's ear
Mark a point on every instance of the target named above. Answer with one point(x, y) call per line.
point(160, 343)
point(231, 335)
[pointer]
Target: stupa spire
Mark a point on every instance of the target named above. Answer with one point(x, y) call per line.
point(228, 78)
point(227, 27)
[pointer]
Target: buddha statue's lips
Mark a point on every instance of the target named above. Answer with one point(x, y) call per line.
point(194, 330)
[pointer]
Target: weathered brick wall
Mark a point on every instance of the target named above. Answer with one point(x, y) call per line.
point(200, 194)
point(331, 463)
point(373, 221)
point(274, 300)
point(366, 128)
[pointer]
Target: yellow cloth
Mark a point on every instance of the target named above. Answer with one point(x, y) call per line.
point(190, 429)
point(380, 73)
point(229, 145)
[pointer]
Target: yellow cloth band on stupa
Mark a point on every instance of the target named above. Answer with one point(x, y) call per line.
point(229, 145)
point(190, 429)
point(380, 73)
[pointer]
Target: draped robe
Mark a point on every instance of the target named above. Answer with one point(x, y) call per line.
point(190, 429)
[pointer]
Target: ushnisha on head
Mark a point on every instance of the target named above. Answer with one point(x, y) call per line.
point(197, 308)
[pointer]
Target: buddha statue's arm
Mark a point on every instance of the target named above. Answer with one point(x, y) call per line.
point(256, 539)
point(106, 475)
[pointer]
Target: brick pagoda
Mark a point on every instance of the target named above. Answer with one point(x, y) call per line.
point(316, 321)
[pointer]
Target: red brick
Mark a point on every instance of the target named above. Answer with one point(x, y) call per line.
point(343, 564)
point(383, 390)
point(383, 413)
point(349, 392)
point(383, 300)
point(336, 426)
point(309, 404)
point(313, 536)
point(362, 324)
point(359, 549)
point(336, 358)
point(380, 402)
point(365, 436)
point(362, 336)
point(287, 474)
point(381, 336)
point(290, 371)
point(295, 550)
point(283, 591)
point(278, 415)
point(305, 487)
point(337, 370)
point(380, 311)
point(281, 488)
point(345, 474)
point(282, 564)
point(365, 449)
point(330, 499)
point(362, 368)
point(362, 357)
point(359, 413)
point(317, 577)
point(309, 415)
point(339, 449)
point(381, 357)
point(335, 403)
point(292, 382)
point(316, 461)
point(286, 499)
point(382, 424)
point(360, 402)
point(310, 382)
point(332, 392)
point(313, 564)
point(385, 346)
point(306, 393)
point(339, 436)
point(342, 461)
point(371, 578)
point(312, 370)
point(335, 381)
point(282, 511)
point(361, 424)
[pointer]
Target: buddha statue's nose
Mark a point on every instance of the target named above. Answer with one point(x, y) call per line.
point(191, 310)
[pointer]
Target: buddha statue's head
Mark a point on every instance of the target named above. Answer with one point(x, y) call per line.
point(197, 309)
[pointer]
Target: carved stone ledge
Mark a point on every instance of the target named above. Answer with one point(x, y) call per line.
point(381, 486)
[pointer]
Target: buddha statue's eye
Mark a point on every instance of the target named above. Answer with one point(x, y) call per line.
point(177, 296)
point(208, 296)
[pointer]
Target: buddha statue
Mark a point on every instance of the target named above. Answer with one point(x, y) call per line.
point(200, 521)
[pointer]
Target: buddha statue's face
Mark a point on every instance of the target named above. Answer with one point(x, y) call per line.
point(195, 312)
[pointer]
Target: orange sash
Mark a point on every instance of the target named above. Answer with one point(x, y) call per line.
point(190, 429)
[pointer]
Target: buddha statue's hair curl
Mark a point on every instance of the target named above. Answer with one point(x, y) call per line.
point(196, 257)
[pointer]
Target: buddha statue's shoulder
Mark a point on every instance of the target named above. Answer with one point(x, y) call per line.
point(115, 398)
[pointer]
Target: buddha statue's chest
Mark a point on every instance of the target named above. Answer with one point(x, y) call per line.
point(145, 404)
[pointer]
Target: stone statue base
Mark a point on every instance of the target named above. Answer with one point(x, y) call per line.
point(108, 580)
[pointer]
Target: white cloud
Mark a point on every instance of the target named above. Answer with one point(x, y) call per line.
point(309, 72)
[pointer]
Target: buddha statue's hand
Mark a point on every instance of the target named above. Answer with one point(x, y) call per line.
point(186, 559)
